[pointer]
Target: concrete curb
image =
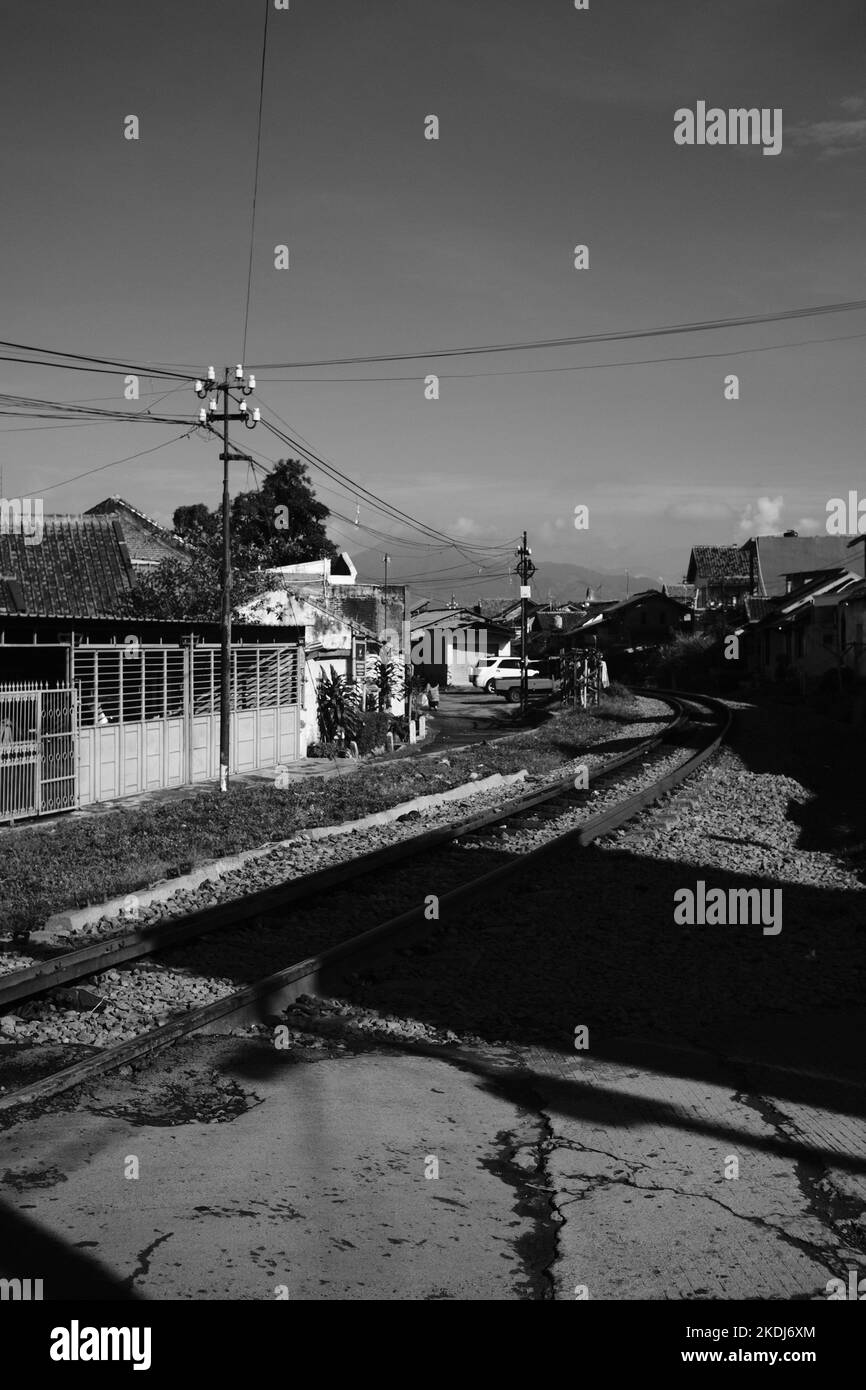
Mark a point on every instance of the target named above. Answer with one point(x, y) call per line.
point(128, 906)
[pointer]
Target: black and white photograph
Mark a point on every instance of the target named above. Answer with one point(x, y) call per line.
point(432, 672)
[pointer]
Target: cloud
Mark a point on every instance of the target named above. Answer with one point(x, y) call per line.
point(853, 104)
point(807, 526)
point(762, 518)
point(466, 527)
point(830, 138)
point(699, 509)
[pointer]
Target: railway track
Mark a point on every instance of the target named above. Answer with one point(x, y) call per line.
point(699, 724)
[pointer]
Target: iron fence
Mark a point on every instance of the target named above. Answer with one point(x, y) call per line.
point(37, 750)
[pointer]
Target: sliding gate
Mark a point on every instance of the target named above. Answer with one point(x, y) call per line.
point(149, 715)
point(37, 751)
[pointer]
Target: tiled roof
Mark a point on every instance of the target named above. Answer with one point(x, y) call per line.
point(79, 569)
point(148, 542)
point(624, 603)
point(455, 617)
point(718, 563)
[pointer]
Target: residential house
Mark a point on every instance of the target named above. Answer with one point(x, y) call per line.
point(719, 576)
point(334, 584)
point(148, 543)
point(549, 630)
point(772, 561)
point(646, 619)
point(329, 640)
point(448, 642)
point(133, 704)
point(808, 631)
point(512, 616)
point(328, 571)
point(683, 593)
point(852, 630)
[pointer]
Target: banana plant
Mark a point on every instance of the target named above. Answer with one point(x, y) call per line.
point(337, 708)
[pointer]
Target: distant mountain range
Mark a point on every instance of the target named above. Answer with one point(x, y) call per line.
point(429, 577)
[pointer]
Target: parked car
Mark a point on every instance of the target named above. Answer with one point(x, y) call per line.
point(536, 685)
point(491, 669)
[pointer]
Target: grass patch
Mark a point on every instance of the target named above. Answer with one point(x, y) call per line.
point(71, 863)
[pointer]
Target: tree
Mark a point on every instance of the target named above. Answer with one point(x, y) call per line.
point(280, 523)
point(191, 590)
point(196, 524)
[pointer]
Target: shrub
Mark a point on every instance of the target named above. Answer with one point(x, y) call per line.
point(616, 691)
point(400, 727)
point(689, 659)
point(327, 750)
point(373, 726)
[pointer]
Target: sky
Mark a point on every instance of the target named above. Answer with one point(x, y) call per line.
point(556, 128)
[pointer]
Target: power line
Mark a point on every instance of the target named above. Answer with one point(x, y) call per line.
point(379, 503)
point(699, 326)
point(256, 177)
point(36, 408)
point(39, 491)
point(86, 362)
point(497, 552)
point(100, 363)
point(543, 371)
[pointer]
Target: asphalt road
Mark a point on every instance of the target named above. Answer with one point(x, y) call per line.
point(469, 716)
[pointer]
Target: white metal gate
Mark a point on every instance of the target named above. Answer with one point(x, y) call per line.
point(149, 715)
point(37, 751)
point(265, 715)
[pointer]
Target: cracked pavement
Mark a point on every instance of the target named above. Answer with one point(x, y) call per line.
point(559, 1176)
point(675, 1174)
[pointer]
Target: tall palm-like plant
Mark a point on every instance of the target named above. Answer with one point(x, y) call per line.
point(389, 682)
point(337, 708)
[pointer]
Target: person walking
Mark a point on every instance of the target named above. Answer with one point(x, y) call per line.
point(432, 693)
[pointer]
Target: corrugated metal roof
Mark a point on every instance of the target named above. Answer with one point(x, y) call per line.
point(80, 568)
point(782, 555)
point(757, 608)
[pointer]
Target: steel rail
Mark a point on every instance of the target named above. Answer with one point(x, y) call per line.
point(260, 1001)
point(134, 944)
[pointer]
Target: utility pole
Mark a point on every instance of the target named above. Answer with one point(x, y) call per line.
point(208, 417)
point(386, 559)
point(408, 671)
point(525, 568)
